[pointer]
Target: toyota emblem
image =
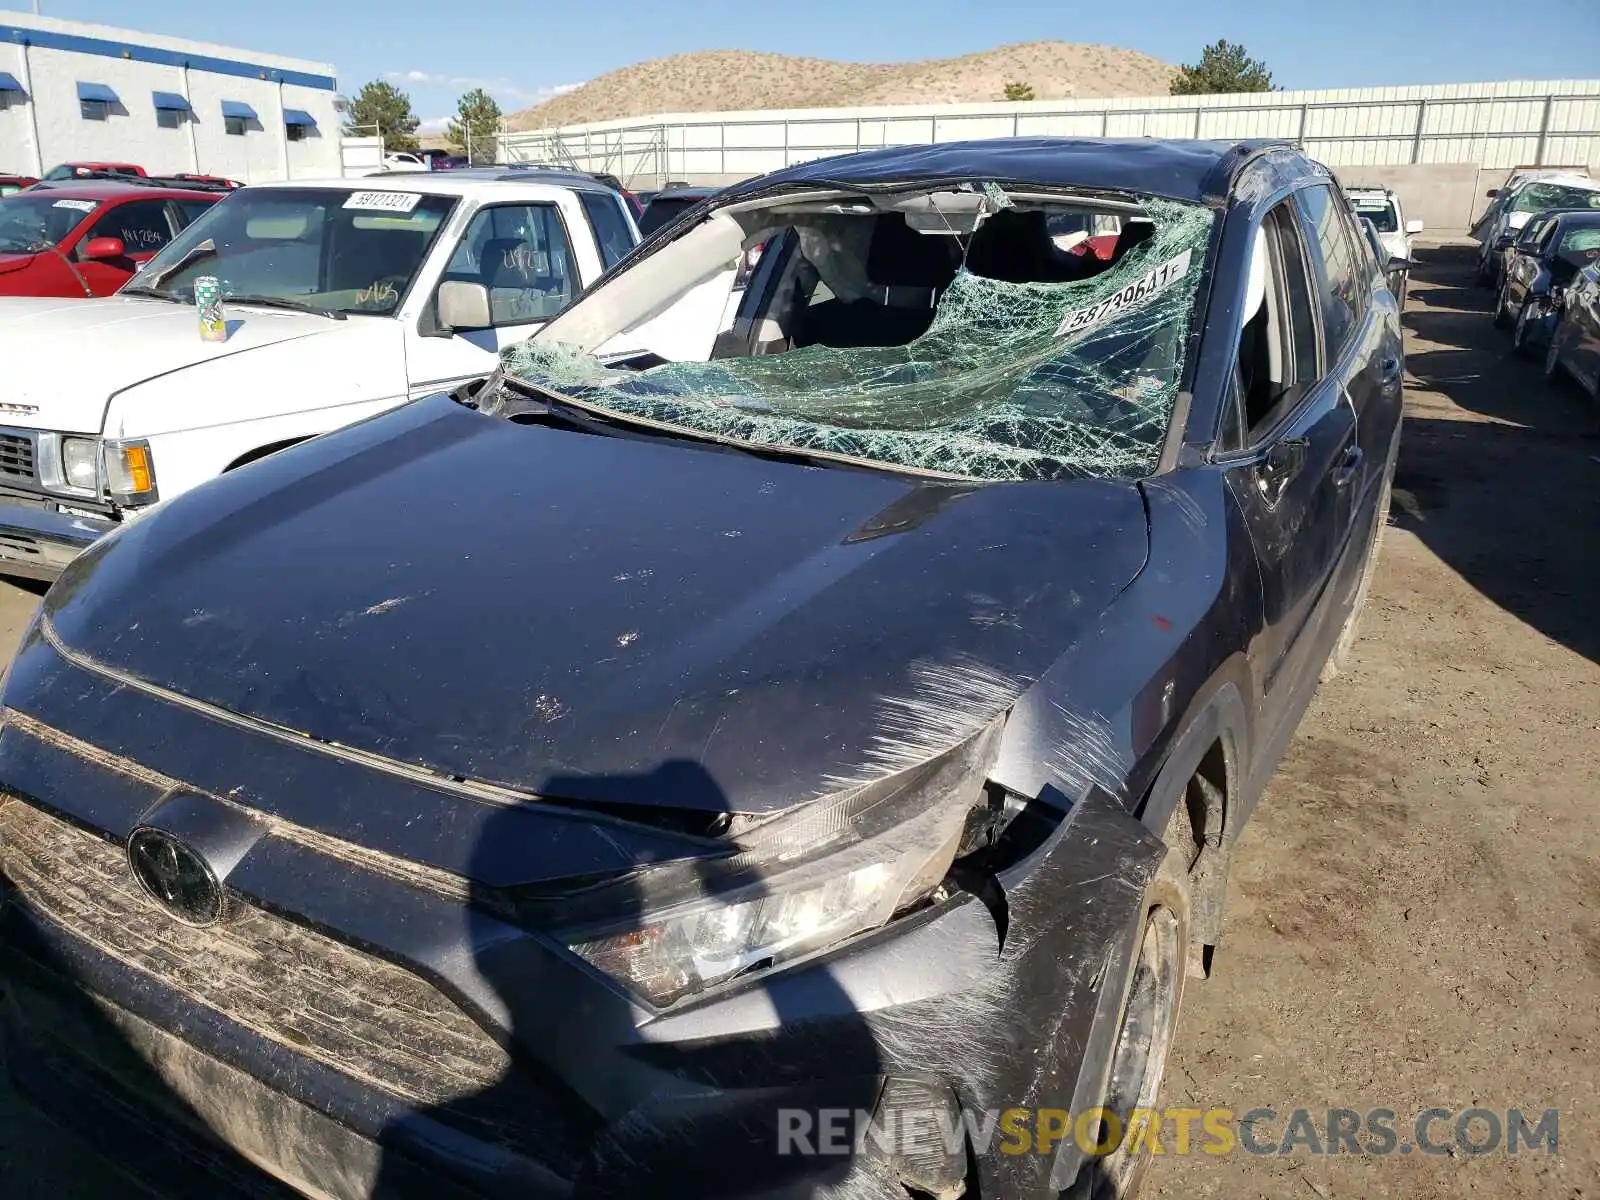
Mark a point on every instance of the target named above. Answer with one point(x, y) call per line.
point(175, 876)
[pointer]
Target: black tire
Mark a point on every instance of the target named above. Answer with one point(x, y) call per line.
point(1552, 357)
point(1519, 332)
point(1158, 970)
point(1502, 313)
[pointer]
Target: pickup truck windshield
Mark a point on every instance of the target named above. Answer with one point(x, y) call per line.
point(936, 333)
point(29, 224)
point(340, 250)
point(1378, 210)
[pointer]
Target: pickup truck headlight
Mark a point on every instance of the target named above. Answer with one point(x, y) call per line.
point(130, 472)
point(80, 463)
point(831, 869)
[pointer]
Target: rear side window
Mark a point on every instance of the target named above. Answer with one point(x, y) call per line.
point(610, 227)
point(142, 226)
point(1346, 281)
point(188, 210)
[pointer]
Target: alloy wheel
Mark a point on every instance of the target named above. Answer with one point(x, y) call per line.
point(1144, 1040)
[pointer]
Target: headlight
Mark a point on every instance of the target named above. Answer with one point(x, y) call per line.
point(131, 472)
point(832, 869)
point(80, 462)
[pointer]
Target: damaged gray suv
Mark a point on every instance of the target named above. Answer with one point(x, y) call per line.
point(784, 719)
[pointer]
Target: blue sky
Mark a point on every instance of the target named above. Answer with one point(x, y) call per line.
point(524, 52)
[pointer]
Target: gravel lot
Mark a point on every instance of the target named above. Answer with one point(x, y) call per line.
point(1414, 915)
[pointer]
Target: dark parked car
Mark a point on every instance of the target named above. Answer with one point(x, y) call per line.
point(750, 707)
point(666, 207)
point(1575, 343)
point(1538, 275)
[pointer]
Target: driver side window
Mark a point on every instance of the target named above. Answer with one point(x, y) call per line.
point(520, 253)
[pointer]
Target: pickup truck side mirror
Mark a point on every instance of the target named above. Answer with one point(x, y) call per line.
point(1414, 226)
point(104, 247)
point(464, 305)
point(1492, 193)
point(1396, 263)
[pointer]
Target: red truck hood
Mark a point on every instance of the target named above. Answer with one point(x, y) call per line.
point(14, 262)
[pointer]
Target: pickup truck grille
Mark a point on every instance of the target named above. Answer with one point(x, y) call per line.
point(356, 1013)
point(16, 456)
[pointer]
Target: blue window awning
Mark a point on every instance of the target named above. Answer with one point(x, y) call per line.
point(238, 108)
point(96, 91)
point(299, 116)
point(171, 102)
point(8, 83)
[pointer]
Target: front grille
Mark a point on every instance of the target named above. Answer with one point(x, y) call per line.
point(16, 456)
point(356, 1013)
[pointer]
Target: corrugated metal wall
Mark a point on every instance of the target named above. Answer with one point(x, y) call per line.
point(1492, 125)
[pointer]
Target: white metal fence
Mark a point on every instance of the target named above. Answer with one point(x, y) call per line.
point(1493, 125)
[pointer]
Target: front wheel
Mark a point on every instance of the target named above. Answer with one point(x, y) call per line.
point(1552, 357)
point(1502, 308)
point(1148, 1024)
point(1524, 329)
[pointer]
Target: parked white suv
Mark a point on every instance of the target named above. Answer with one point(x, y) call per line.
point(1381, 206)
point(345, 298)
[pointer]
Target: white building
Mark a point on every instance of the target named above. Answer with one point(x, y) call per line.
point(72, 92)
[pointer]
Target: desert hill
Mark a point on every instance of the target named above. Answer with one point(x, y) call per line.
point(720, 80)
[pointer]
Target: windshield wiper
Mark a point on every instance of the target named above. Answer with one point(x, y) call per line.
point(153, 293)
point(283, 302)
point(193, 254)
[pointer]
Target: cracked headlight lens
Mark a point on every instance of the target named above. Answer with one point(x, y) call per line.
point(832, 869)
point(80, 462)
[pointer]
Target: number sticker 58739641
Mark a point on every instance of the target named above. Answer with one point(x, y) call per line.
point(1158, 280)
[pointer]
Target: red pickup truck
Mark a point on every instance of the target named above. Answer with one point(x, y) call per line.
point(88, 239)
point(87, 170)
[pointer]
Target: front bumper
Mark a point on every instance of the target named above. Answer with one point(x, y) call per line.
point(38, 542)
point(306, 1038)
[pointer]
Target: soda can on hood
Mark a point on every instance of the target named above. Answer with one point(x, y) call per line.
point(208, 308)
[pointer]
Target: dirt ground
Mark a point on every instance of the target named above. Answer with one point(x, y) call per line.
point(1414, 912)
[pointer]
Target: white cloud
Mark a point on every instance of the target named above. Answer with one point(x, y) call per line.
point(501, 89)
point(435, 125)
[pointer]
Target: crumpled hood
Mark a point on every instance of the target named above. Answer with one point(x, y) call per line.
point(68, 358)
point(602, 618)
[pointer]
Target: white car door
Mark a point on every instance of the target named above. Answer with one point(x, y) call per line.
point(532, 256)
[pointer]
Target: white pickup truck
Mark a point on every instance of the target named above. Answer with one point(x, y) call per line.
point(344, 298)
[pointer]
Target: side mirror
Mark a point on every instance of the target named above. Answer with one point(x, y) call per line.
point(1492, 193)
point(1414, 227)
point(464, 305)
point(104, 247)
point(1396, 263)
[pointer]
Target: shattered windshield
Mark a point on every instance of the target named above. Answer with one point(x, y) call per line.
point(1537, 197)
point(957, 333)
